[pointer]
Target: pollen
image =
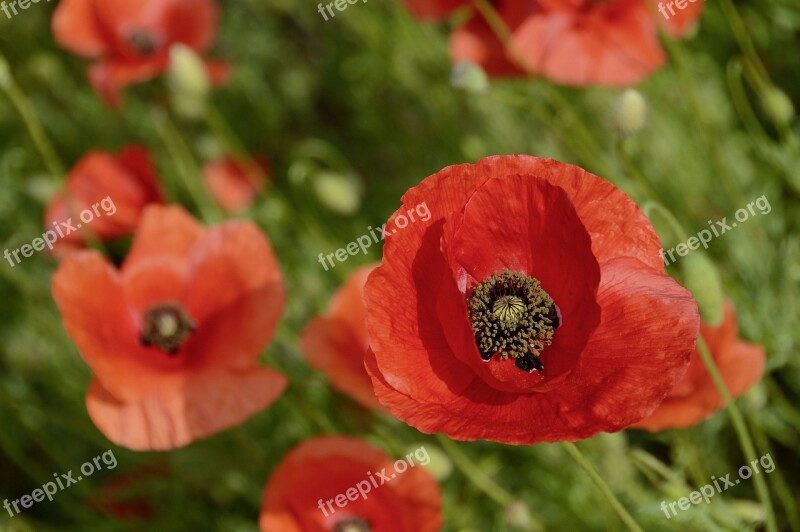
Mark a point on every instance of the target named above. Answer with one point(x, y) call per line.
point(513, 317)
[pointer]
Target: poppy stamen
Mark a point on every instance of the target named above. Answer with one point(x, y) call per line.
point(512, 316)
point(143, 42)
point(166, 326)
point(353, 524)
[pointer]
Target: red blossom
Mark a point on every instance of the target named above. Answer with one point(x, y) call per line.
point(620, 330)
point(173, 336)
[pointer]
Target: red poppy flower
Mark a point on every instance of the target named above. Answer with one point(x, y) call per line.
point(234, 185)
point(131, 38)
point(318, 488)
point(173, 337)
point(574, 42)
point(696, 398)
point(336, 343)
point(532, 306)
point(476, 41)
point(113, 189)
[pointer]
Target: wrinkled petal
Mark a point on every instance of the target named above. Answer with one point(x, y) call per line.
point(185, 408)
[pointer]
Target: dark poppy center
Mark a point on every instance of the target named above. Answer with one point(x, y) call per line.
point(512, 316)
point(166, 326)
point(143, 42)
point(353, 524)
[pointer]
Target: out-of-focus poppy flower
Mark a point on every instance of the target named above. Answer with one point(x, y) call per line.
point(173, 337)
point(581, 42)
point(476, 41)
point(696, 398)
point(113, 189)
point(336, 343)
point(122, 495)
point(572, 42)
point(131, 39)
point(233, 184)
point(337, 470)
point(532, 306)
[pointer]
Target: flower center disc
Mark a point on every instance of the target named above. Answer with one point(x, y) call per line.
point(512, 316)
point(166, 326)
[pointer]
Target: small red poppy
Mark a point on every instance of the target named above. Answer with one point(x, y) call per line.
point(338, 470)
point(696, 398)
point(234, 185)
point(131, 38)
point(532, 306)
point(113, 189)
point(337, 342)
point(174, 336)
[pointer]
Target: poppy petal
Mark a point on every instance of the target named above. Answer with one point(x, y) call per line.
point(76, 28)
point(184, 408)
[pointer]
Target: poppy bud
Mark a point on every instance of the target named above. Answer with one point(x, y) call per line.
point(777, 106)
point(339, 192)
point(630, 113)
point(438, 463)
point(469, 77)
point(701, 278)
point(188, 81)
point(518, 515)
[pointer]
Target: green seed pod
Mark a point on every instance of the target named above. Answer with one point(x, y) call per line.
point(701, 278)
point(432, 458)
point(777, 106)
point(339, 192)
point(189, 82)
point(630, 113)
point(469, 77)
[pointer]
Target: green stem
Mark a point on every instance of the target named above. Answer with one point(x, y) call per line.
point(688, 88)
point(776, 477)
point(674, 224)
point(190, 171)
point(474, 473)
point(741, 431)
point(647, 190)
point(745, 42)
point(35, 128)
point(577, 456)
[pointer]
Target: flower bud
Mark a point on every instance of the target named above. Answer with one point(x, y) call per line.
point(469, 77)
point(630, 113)
point(340, 193)
point(438, 462)
point(188, 81)
point(701, 278)
point(777, 106)
point(518, 515)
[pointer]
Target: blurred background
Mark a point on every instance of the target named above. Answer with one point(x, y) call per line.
point(350, 113)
